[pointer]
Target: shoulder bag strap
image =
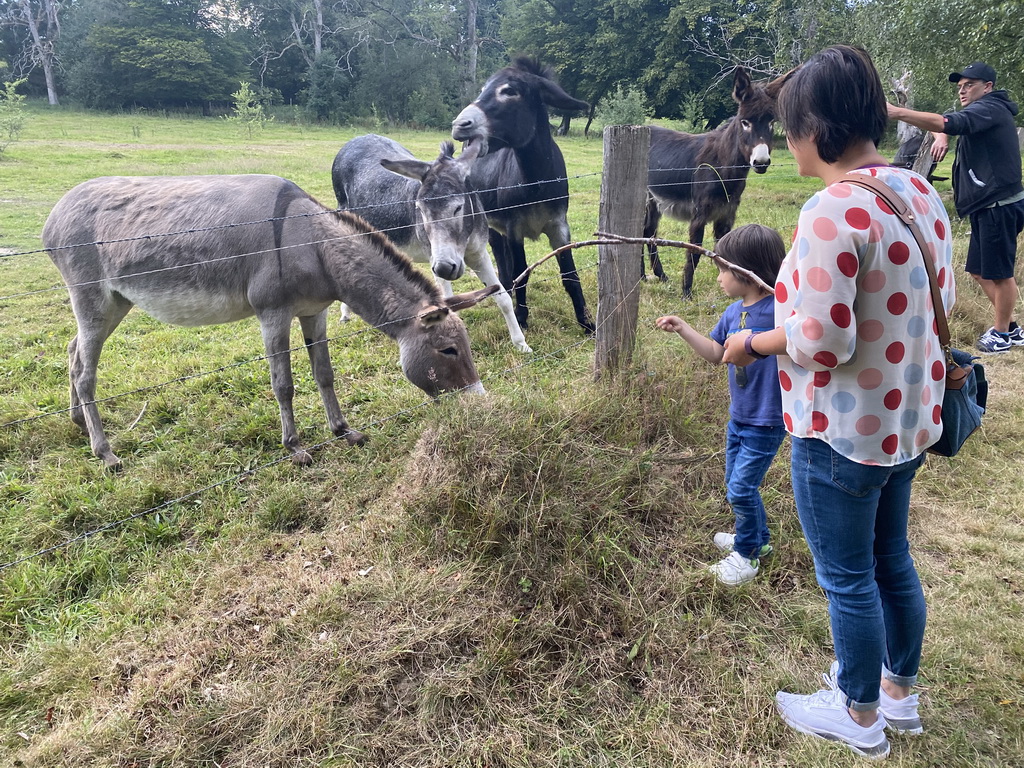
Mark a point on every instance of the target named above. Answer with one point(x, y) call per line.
point(899, 206)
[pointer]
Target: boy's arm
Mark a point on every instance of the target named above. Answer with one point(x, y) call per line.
point(707, 348)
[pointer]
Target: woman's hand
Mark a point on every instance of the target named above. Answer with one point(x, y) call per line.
point(735, 351)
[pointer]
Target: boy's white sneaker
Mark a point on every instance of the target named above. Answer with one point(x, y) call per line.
point(726, 542)
point(824, 715)
point(734, 569)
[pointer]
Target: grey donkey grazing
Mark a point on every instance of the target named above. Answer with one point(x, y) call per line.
point(248, 245)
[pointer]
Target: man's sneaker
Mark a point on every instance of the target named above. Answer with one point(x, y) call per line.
point(900, 714)
point(823, 714)
point(726, 541)
point(993, 342)
point(734, 569)
point(1016, 335)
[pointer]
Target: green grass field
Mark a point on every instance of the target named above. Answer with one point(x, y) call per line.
point(512, 580)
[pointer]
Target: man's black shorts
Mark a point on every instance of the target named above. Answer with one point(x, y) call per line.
point(992, 252)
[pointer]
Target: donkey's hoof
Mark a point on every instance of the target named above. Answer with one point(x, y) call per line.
point(302, 457)
point(355, 438)
point(113, 464)
point(588, 326)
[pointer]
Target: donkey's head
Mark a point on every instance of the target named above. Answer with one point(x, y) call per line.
point(450, 212)
point(755, 116)
point(434, 347)
point(512, 106)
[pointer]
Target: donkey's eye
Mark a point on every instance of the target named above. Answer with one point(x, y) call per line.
point(507, 91)
point(747, 125)
point(450, 352)
point(458, 210)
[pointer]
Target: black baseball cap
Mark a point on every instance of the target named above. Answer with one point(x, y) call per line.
point(977, 70)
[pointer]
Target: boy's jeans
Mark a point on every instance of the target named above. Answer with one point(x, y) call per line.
point(749, 451)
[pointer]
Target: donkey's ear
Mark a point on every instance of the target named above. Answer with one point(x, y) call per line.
point(414, 169)
point(741, 85)
point(466, 300)
point(432, 315)
point(773, 87)
point(551, 93)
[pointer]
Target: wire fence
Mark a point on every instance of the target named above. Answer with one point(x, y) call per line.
point(236, 477)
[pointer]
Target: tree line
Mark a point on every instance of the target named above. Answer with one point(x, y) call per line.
point(418, 61)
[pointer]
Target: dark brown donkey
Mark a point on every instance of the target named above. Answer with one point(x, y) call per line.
point(700, 177)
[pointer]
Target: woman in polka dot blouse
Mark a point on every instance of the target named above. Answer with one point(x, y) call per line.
point(862, 379)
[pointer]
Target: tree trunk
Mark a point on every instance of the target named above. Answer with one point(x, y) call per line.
point(471, 53)
point(42, 47)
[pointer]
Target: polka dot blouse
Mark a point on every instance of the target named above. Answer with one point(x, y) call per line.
point(864, 371)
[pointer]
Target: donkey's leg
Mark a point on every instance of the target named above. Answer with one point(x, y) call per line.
point(346, 312)
point(693, 258)
point(723, 226)
point(558, 235)
point(501, 247)
point(314, 332)
point(483, 269)
point(97, 316)
point(652, 218)
point(275, 326)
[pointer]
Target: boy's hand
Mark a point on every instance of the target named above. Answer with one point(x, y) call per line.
point(670, 323)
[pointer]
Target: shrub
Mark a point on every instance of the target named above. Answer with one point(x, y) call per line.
point(625, 107)
point(12, 114)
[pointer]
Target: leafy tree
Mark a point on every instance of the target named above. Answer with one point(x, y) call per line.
point(38, 34)
point(146, 52)
point(249, 110)
point(12, 114)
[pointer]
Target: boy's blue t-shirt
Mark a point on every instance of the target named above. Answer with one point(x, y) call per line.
point(758, 399)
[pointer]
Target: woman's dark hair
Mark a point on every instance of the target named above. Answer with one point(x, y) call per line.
point(835, 96)
point(754, 247)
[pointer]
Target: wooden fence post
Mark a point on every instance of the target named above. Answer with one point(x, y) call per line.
point(623, 202)
point(923, 163)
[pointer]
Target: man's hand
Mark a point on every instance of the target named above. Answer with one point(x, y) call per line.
point(940, 147)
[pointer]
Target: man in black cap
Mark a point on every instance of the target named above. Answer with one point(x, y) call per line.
point(986, 189)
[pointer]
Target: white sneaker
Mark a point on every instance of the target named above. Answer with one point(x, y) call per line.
point(900, 714)
point(824, 715)
point(734, 569)
point(726, 543)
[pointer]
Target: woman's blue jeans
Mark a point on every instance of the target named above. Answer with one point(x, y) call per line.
point(749, 451)
point(854, 517)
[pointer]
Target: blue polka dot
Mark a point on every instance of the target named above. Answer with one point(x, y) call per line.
point(844, 402)
point(803, 247)
point(842, 446)
point(919, 277)
point(909, 418)
point(916, 327)
point(798, 409)
point(811, 204)
point(913, 374)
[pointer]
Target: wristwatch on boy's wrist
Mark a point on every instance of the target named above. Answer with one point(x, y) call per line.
point(749, 349)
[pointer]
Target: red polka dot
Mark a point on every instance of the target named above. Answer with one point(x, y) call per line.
point(788, 421)
point(841, 315)
point(877, 232)
point(892, 399)
point(825, 228)
point(869, 378)
point(827, 359)
point(919, 204)
point(868, 425)
point(923, 438)
point(938, 370)
point(870, 330)
point(895, 352)
point(785, 382)
point(883, 206)
point(858, 218)
point(812, 328)
point(781, 294)
point(899, 252)
point(890, 444)
point(840, 190)
point(897, 303)
point(940, 229)
point(937, 414)
point(921, 186)
point(926, 396)
point(819, 279)
point(847, 263)
point(819, 421)
point(822, 378)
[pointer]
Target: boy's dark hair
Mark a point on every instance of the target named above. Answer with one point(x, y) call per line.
point(754, 247)
point(836, 96)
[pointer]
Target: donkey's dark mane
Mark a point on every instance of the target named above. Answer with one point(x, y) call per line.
point(385, 248)
point(532, 66)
